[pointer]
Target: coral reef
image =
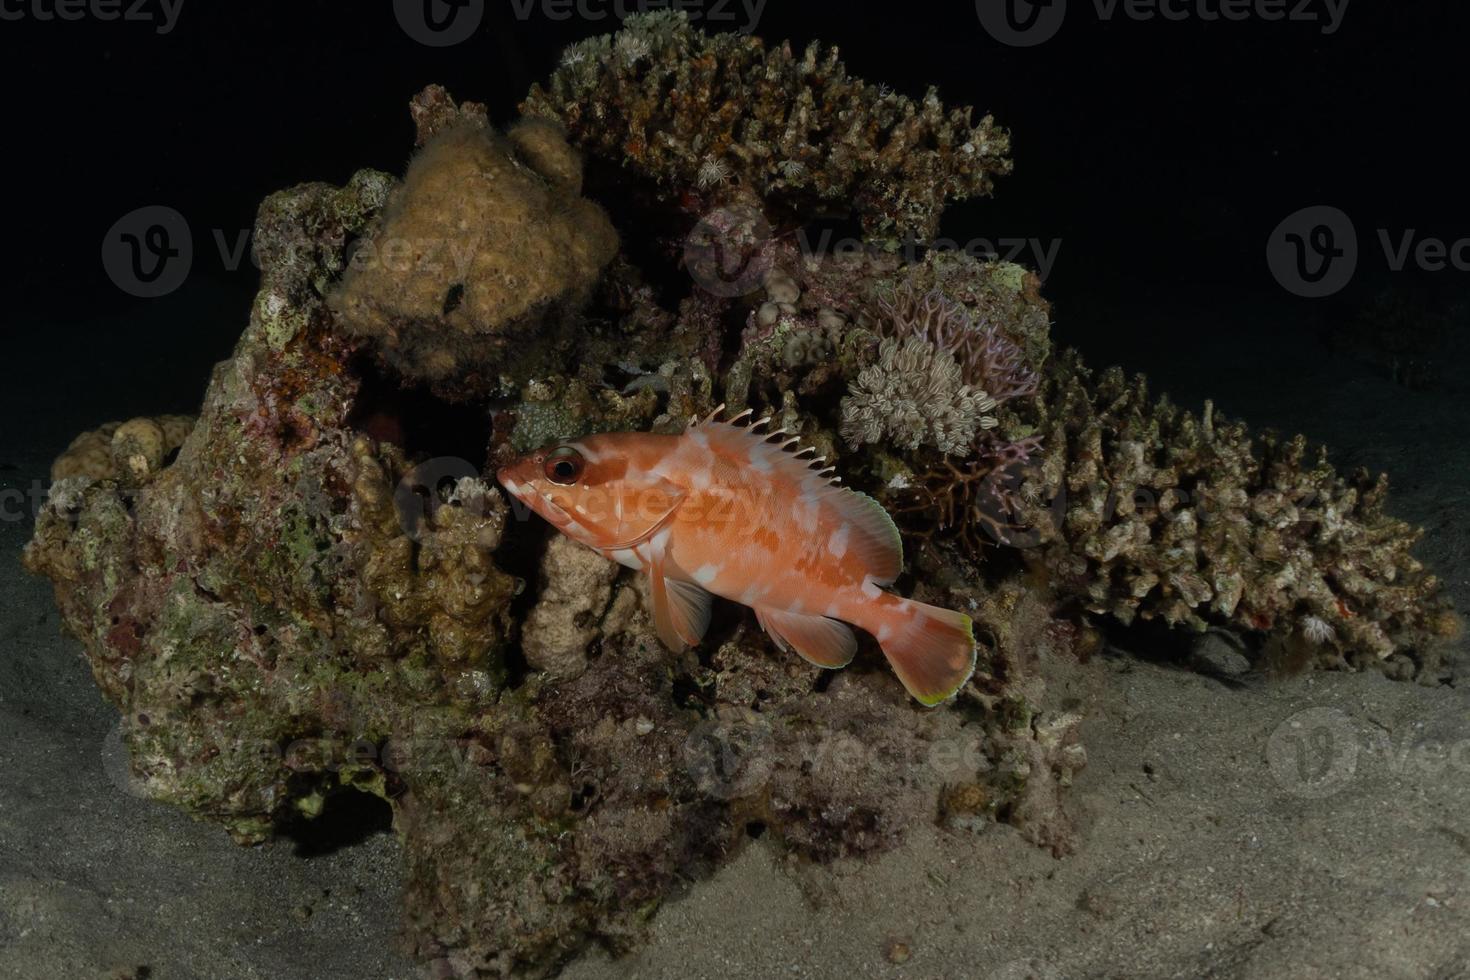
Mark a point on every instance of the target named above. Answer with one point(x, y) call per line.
point(294, 610)
point(1144, 510)
point(314, 591)
point(699, 111)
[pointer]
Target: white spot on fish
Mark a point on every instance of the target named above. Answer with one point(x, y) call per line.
point(626, 557)
point(884, 633)
point(705, 574)
point(870, 588)
point(796, 606)
point(837, 544)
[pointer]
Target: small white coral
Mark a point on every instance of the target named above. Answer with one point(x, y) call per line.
point(712, 173)
point(1317, 630)
point(791, 169)
point(915, 395)
point(632, 47)
point(574, 55)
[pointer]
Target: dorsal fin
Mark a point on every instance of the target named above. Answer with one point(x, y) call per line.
point(874, 538)
point(871, 534)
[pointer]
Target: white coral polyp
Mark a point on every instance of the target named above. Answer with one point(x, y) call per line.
point(915, 395)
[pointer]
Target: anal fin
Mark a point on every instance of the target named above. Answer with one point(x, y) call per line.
point(820, 641)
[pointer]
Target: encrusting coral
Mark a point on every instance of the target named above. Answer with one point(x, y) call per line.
point(320, 593)
point(132, 450)
point(576, 587)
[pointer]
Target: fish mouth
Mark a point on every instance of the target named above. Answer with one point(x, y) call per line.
point(528, 495)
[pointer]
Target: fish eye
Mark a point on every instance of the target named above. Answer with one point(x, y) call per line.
point(563, 466)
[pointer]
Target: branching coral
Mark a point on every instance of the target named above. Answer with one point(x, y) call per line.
point(976, 501)
point(1149, 511)
point(693, 110)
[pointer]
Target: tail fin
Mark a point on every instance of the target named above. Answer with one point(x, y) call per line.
point(932, 650)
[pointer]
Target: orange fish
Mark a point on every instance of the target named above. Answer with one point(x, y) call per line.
point(723, 509)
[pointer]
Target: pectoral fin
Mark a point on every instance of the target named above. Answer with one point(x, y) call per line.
point(681, 609)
